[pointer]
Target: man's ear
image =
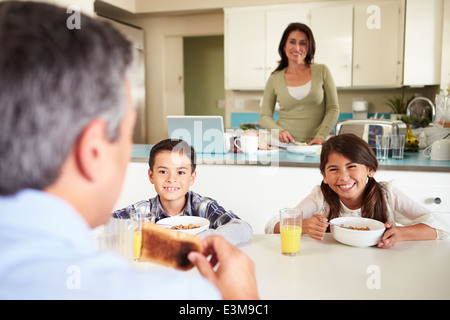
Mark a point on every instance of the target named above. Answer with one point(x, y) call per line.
point(90, 147)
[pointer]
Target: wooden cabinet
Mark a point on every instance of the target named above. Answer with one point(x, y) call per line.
point(378, 39)
point(360, 41)
point(334, 46)
point(363, 48)
point(429, 189)
point(423, 42)
point(245, 49)
point(276, 22)
point(252, 36)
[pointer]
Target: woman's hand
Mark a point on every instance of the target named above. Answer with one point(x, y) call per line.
point(314, 227)
point(316, 140)
point(390, 236)
point(285, 136)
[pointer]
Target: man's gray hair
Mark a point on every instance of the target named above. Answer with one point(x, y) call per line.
point(53, 82)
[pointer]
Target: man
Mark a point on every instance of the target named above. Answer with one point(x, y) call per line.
point(66, 124)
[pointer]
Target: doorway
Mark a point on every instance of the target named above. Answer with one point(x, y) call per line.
point(204, 87)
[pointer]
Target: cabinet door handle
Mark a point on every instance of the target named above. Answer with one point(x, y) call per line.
point(437, 200)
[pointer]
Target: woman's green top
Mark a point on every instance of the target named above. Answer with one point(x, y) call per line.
point(312, 116)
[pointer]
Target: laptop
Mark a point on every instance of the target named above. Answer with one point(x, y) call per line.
point(204, 133)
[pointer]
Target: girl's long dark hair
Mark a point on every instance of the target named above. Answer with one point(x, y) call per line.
point(358, 151)
point(296, 26)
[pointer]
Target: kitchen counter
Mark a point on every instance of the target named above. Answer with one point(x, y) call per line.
point(413, 161)
point(328, 269)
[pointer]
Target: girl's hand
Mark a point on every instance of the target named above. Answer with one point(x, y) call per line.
point(285, 137)
point(390, 236)
point(314, 227)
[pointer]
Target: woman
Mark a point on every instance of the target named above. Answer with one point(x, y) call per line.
point(305, 91)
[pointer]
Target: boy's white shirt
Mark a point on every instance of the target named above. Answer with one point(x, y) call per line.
point(402, 210)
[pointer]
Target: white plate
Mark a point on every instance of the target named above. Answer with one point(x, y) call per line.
point(185, 220)
point(262, 151)
point(306, 150)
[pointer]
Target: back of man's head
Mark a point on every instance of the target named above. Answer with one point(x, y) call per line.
point(53, 82)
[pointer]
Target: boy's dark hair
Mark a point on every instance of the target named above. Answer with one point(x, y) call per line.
point(176, 145)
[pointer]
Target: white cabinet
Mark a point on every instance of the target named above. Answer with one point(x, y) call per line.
point(429, 189)
point(423, 42)
point(364, 46)
point(334, 46)
point(276, 22)
point(245, 50)
point(252, 36)
point(381, 43)
point(378, 49)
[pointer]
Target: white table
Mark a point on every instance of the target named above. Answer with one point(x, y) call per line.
point(330, 270)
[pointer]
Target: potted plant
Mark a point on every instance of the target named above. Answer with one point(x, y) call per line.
point(398, 106)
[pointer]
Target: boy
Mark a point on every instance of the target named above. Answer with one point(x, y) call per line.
point(172, 166)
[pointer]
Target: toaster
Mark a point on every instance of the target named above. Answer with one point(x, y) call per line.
point(367, 129)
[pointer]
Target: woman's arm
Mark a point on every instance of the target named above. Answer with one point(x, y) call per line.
point(268, 107)
point(331, 107)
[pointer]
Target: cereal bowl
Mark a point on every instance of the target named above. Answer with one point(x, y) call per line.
point(355, 237)
point(181, 223)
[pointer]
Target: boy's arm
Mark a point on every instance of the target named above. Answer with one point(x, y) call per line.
point(130, 211)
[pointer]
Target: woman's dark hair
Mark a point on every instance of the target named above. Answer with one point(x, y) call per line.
point(175, 145)
point(296, 26)
point(358, 151)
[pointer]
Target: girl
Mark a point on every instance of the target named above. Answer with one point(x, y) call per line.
point(348, 166)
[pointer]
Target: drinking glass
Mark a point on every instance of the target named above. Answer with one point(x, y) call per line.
point(382, 146)
point(291, 231)
point(398, 146)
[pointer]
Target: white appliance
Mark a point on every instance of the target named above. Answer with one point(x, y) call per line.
point(360, 108)
point(137, 77)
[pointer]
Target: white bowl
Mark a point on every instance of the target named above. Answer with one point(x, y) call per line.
point(306, 150)
point(185, 220)
point(357, 238)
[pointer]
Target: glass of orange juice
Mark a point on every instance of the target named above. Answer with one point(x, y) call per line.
point(137, 236)
point(291, 231)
